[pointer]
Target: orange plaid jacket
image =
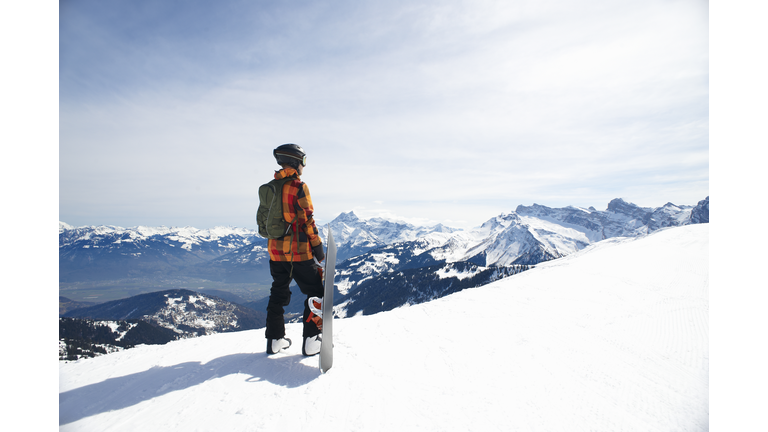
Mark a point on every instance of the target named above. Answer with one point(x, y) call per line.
point(297, 204)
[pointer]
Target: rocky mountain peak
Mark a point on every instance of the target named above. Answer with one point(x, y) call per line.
point(349, 217)
point(618, 205)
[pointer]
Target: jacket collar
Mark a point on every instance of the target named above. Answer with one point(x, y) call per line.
point(286, 172)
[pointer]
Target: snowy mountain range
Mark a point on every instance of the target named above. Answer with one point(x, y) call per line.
point(525, 237)
point(110, 252)
point(382, 264)
point(225, 254)
point(355, 236)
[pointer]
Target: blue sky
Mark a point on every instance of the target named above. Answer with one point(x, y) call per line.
point(436, 111)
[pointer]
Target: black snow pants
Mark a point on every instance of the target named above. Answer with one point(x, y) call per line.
point(310, 283)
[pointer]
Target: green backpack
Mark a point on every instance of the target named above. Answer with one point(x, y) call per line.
point(269, 217)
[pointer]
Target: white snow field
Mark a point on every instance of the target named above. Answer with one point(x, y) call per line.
point(612, 338)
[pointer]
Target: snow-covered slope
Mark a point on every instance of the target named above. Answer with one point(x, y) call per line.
point(613, 337)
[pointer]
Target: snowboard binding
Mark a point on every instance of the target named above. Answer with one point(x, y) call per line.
point(316, 311)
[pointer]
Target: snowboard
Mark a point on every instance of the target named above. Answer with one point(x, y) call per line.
point(326, 347)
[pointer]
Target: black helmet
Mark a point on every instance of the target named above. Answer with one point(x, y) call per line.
point(291, 155)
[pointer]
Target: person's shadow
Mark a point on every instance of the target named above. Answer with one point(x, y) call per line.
point(125, 391)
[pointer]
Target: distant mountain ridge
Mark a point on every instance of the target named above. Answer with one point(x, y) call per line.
point(225, 254)
point(355, 236)
point(525, 237)
point(374, 249)
point(440, 263)
point(621, 219)
point(522, 236)
point(110, 252)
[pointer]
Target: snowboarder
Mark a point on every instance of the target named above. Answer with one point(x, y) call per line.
point(293, 256)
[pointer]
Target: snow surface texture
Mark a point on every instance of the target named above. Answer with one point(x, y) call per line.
point(614, 337)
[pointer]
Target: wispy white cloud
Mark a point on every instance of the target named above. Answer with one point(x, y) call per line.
point(437, 109)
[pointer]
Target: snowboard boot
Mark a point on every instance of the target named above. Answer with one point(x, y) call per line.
point(311, 345)
point(276, 345)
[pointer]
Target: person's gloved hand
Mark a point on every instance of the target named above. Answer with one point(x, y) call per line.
point(317, 251)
